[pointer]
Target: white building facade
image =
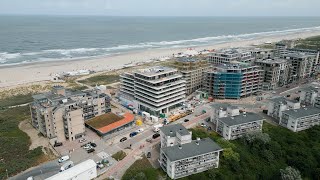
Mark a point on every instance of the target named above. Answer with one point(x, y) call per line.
point(300, 119)
point(186, 159)
point(172, 135)
point(233, 127)
point(155, 90)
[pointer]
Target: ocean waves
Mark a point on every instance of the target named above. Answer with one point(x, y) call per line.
point(7, 58)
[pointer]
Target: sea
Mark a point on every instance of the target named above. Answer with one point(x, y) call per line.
point(31, 39)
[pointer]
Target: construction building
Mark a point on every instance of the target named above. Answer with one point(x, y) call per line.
point(308, 95)
point(226, 56)
point(155, 90)
point(277, 105)
point(233, 127)
point(233, 81)
point(276, 72)
point(175, 134)
point(190, 158)
point(300, 119)
point(302, 65)
point(192, 70)
point(60, 114)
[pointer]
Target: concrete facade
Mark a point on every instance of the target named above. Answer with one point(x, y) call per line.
point(172, 135)
point(308, 96)
point(227, 56)
point(60, 114)
point(276, 72)
point(192, 70)
point(277, 105)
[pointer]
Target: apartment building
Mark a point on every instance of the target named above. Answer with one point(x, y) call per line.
point(60, 114)
point(233, 127)
point(155, 90)
point(276, 72)
point(186, 159)
point(281, 49)
point(219, 110)
point(192, 70)
point(308, 95)
point(260, 53)
point(302, 65)
point(300, 119)
point(226, 56)
point(277, 105)
point(233, 81)
point(175, 134)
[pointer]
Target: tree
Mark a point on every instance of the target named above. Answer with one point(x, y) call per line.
point(290, 174)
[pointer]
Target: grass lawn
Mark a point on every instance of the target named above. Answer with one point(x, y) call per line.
point(101, 80)
point(15, 100)
point(103, 120)
point(141, 169)
point(119, 155)
point(309, 43)
point(15, 155)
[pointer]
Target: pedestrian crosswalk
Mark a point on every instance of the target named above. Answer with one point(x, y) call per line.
point(103, 155)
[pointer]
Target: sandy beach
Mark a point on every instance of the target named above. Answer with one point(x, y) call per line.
point(27, 73)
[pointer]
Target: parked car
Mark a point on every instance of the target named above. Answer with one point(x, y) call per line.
point(66, 166)
point(123, 139)
point(30, 178)
point(90, 150)
point(57, 144)
point(82, 140)
point(149, 155)
point(99, 165)
point(133, 134)
point(140, 130)
point(93, 144)
point(186, 120)
point(149, 140)
point(155, 136)
point(87, 146)
point(63, 159)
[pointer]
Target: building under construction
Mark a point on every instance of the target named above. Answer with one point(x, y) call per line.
point(233, 81)
point(192, 70)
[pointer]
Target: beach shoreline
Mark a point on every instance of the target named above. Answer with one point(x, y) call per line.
point(14, 75)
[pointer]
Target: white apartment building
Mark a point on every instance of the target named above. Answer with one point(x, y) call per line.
point(276, 72)
point(227, 56)
point(219, 110)
point(308, 95)
point(300, 119)
point(233, 127)
point(155, 90)
point(277, 105)
point(186, 159)
point(172, 135)
point(60, 114)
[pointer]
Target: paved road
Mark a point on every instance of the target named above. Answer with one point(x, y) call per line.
point(41, 172)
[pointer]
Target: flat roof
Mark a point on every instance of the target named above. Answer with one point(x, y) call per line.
point(171, 130)
point(74, 171)
point(155, 70)
point(220, 105)
point(107, 122)
point(271, 61)
point(241, 119)
point(192, 149)
point(302, 112)
point(298, 55)
point(279, 99)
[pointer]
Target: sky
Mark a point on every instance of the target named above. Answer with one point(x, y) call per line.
point(163, 7)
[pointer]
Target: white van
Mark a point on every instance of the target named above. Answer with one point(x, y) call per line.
point(63, 159)
point(66, 166)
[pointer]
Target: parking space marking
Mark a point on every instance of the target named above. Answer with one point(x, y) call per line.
point(103, 155)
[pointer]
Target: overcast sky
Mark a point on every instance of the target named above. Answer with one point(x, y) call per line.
point(163, 7)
